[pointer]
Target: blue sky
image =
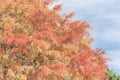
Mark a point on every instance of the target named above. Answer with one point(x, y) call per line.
point(104, 16)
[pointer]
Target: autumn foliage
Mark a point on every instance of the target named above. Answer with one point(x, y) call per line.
point(37, 43)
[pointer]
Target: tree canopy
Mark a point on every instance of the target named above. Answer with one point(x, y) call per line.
point(37, 43)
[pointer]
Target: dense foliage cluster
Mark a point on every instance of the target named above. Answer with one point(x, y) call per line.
point(37, 43)
point(112, 75)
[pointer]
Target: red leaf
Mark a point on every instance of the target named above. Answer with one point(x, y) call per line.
point(57, 7)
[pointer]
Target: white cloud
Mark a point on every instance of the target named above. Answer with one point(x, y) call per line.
point(114, 64)
point(111, 35)
point(81, 3)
